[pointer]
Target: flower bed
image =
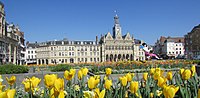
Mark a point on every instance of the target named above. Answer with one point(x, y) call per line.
point(180, 84)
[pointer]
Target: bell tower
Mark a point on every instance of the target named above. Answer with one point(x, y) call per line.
point(116, 28)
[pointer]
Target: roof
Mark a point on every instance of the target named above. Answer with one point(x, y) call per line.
point(32, 45)
point(66, 42)
point(172, 39)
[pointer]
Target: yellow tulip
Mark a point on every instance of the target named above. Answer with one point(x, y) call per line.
point(91, 82)
point(11, 93)
point(158, 72)
point(152, 70)
point(156, 75)
point(76, 88)
point(69, 74)
point(193, 69)
point(96, 82)
point(80, 74)
point(169, 75)
point(88, 94)
point(49, 80)
point(1, 80)
point(170, 91)
point(2, 87)
point(107, 84)
point(11, 81)
point(161, 82)
point(134, 86)
point(129, 77)
point(132, 74)
point(34, 82)
point(105, 78)
point(99, 94)
point(198, 96)
point(181, 71)
point(108, 71)
point(59, 85)
point(102, 94)
point(158, 93)
point(151, 95)
point(96, 76)
point(61, 94)
point(123, 81)
point(126, 94)
point(3, 95)
point(145, 76)
point(27, 85)
point(186, 74)
point(84, 71)
point(53, 93)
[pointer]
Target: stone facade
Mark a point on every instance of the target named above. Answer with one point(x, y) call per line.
point(8, 41)
point(11, 41)
point(116, 47)
point(170, 46)
point(64, 51)
point(113, 47)
point(30, 55)
point(192, 44)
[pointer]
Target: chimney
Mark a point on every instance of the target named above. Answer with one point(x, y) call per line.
point(96, 39)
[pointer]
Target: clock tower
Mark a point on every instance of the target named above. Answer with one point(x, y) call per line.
point(117, 29)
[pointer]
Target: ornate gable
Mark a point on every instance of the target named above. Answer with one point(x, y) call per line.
point(108, 36)
point(127, 36)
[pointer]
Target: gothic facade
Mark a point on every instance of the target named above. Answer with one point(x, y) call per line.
point(115, 47)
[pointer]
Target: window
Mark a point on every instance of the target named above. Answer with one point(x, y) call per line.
point(78, 53)
point(180, 49)
point(94, 59)
point(94, 53)
point(69, 48)
point(82, 53)
point(70, 53)
point(91, 59)
point(78, 59)
point(180, 52)
point(28, 52)
point(82, 59)
point(85, 53)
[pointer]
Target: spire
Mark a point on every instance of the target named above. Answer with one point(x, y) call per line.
point(116, 18)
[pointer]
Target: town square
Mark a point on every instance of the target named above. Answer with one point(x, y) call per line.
point(99, 49)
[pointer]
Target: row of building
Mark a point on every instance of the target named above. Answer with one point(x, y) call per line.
point(12, 48)
point(180, 47)
point(109, 47)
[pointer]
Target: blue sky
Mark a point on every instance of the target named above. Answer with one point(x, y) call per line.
point(44, 20)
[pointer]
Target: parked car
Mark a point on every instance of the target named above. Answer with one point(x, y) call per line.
point(196, 57)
